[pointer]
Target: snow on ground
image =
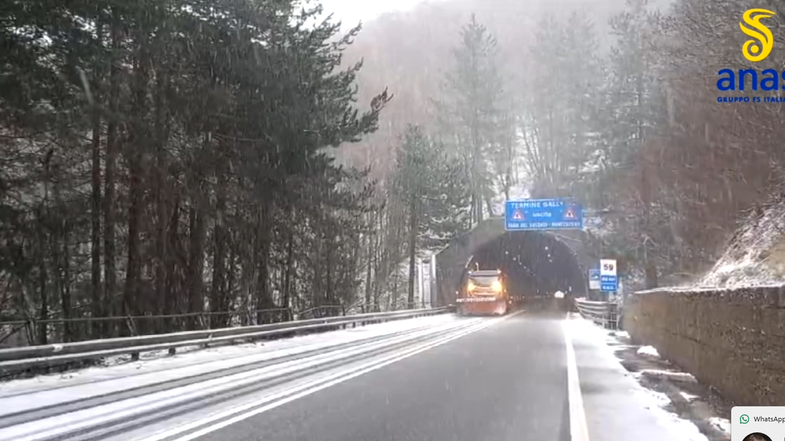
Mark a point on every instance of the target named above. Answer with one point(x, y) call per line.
point(649, 351)
point(689, 397)
point(663, 406)
point(31, 400)
point(756, 254)
point(722, 424)
point(657, 402)
point(152, 367)
point(680, 377)
point(709, 289)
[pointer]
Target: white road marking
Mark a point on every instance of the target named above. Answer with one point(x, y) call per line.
point(297, 392)
point(42, 429)
point(578, 429)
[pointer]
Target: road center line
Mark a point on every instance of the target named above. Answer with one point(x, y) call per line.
point(297, 392)
point(578, 429)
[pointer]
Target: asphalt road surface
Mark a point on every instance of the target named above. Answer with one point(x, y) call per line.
point(524, 376)
point(505, 382)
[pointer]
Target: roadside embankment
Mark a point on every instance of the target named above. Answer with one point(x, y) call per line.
point(729, 339)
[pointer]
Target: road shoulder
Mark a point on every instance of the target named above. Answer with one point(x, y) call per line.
point(615, 404)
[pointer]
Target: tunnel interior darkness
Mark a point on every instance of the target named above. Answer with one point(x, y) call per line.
point(536, 264)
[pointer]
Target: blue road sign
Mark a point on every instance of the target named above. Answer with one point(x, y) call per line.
point(542, 214)
point(609, 283)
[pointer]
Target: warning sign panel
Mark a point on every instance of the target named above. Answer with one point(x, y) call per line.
point(542, 214)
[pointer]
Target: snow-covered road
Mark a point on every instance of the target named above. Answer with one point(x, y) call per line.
point(45, 407)
point(443, 378)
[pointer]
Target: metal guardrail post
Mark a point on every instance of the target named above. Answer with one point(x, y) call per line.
point(41, 356)
point(603, 313)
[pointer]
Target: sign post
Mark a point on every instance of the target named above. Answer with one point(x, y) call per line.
point(542, 214)
point(420, 283)
point(427, 284)
point(608, 279)
point(594, 278)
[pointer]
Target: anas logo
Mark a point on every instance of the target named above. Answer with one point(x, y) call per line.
point(755, 50)
point(758, 49)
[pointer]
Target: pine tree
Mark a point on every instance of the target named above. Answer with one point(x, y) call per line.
point(433, 193)
point(472, 114)
point(634, 112)
point(561, 110)
point(203, 129)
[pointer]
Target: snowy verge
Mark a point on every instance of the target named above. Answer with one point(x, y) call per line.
point(677, 399)
point(755, 255)
point(648, 351)
point(159, 367)
point(124, 408)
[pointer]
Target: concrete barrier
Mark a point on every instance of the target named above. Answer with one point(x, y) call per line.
point(731, 339)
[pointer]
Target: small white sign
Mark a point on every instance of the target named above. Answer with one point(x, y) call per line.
point(608, 267)
point(594, 284)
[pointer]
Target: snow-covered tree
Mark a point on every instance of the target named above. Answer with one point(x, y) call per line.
point(472, 114)
point(433, 191)
point(559, 119)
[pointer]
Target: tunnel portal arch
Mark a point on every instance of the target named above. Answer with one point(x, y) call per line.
point(538, 262)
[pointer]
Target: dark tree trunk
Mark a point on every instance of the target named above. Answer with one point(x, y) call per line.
point(97, 309)
point(369, 267)
point(413, 222)
point(489, 204)
point(43, 313)
point(138, 144)
point(288, 274)
point(112, 147)
point(316, 260)
point(161, 197)
point(217, 301)
point(263, 299)
point(329, 272)
point(133, 266)
point(65, 293)
point(170, 299)
point(196, 259)
point(230, 278)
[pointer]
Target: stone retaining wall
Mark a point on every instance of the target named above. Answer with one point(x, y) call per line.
point(733, 340)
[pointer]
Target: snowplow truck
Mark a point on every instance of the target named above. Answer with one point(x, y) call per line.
point(484, 292)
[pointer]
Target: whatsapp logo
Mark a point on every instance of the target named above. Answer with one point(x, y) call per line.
point(744, 419)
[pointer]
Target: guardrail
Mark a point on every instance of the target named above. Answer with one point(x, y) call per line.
point(69, 330)
point(603, 313)
point(34, 330)
point(34, 357)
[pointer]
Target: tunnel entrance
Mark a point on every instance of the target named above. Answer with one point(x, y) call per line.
point(536, 264)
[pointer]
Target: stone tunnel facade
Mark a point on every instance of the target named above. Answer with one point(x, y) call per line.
point(452, 262)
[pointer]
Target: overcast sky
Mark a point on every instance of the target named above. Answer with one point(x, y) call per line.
point(350, 12)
